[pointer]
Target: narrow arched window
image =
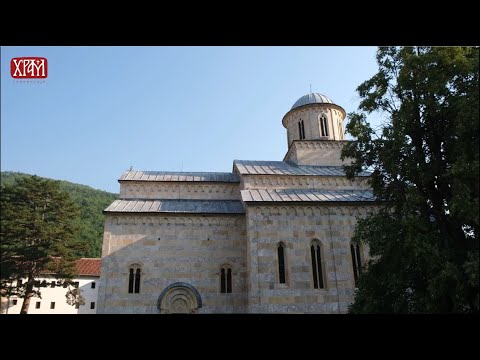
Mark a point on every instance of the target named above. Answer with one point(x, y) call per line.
point(281, 263)
point(137, 282)
point(316, 254)
point(340, 135)
point(131, 279)
point(324, 125)
point(356, 262)
point(225, 279)
point(301, 130)
point(229, 281)
point(134, 277)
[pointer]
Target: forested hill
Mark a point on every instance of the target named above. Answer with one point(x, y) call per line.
point(91, 202)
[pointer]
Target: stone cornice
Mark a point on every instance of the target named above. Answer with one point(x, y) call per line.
point(303, 210)
point(174, 220)
point(131, 187)
point(312, 181)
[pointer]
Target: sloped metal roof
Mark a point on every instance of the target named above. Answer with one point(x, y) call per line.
point(177, 206)
point(178, 176)
point(249, 167)
point(297, 195)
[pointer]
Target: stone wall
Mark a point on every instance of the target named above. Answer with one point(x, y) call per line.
point(297, 227)
point(179, 190)
point(316, 153)
point(172, 249)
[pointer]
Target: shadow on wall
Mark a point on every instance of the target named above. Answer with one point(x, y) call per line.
point(175, 260)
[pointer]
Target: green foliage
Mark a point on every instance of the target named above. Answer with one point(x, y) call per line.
point(425, 163)
point(91, 203)
point(38, 233)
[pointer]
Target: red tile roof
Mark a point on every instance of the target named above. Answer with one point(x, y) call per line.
point(88, 266)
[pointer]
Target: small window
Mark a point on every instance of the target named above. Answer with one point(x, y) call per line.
point(52, 305)
point(53, 284)
point(77, 306)
point(281, 263)
point(14, 302)
point(93, 285)
point(37, 305)
point(356, 262)
point(225, 279)
point(134, 277)
point(301, 130)
point(92, 305)
point(324, 126)
point(317, 271)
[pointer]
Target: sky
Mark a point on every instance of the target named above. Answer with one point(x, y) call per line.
point(102, 110)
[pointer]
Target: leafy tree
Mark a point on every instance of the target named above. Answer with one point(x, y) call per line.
point(38, 233)
point(424, 243)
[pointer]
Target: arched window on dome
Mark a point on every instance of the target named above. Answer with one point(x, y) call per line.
point(134, 277)
point(340, 132)
point(356, 262)
point(225, 279)
point(301, 129)
point(324, 125)
point(316, 253)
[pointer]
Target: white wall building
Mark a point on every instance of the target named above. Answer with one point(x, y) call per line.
point(53, 299)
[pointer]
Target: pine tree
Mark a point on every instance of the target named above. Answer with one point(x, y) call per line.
point(37, 234)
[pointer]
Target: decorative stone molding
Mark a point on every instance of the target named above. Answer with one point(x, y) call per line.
point(297, 210)
point(307, 181)
point(162, 220)
point(298, 113)
point(319, 144)
point(179, 297)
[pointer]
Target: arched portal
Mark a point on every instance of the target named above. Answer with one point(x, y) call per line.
point(179, 298)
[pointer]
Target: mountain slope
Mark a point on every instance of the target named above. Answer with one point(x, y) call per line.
point(91, 202)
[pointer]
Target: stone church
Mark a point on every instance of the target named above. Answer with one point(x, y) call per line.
point(268, 237)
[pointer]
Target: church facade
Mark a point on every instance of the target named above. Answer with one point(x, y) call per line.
point(269, 237)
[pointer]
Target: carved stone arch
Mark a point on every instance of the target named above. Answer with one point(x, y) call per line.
point(136, 265)
point(308, 211)
point(179, 298)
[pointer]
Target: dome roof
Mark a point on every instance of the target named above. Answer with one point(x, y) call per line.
point(312, 98)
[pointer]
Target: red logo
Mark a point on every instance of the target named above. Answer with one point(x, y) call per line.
point(29, 68)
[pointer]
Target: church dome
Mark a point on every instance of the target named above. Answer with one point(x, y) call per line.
point(312, 98)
